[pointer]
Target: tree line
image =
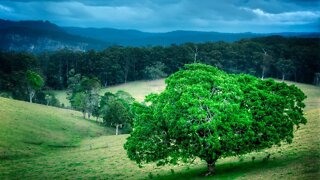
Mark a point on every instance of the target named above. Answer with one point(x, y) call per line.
point(295, 59)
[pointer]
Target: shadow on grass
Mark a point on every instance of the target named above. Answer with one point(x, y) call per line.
point(233, 170)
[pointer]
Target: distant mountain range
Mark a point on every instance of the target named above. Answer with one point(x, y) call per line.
point(37, 36)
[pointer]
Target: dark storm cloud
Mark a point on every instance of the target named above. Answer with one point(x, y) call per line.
point(166, 15)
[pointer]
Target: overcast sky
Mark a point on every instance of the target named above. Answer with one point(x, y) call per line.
point(168, 15)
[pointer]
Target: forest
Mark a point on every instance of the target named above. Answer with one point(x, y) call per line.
point(294, 59)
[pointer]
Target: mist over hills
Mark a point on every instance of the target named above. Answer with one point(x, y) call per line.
point(37, 36)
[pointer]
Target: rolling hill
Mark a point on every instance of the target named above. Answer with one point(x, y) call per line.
point(139, 38)
point(29, 130)
point(103, 157)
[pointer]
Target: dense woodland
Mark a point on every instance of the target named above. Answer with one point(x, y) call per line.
point(296, 59)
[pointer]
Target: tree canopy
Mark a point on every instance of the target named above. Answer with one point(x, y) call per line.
point(115, 109)
point(207, 113)
point(34, 82)
point(84, 94)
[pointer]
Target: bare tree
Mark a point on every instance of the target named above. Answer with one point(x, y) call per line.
point(265, 63)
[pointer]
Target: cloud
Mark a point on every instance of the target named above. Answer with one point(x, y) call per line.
point(168, 15)
point(5, 8)
point(297, 17)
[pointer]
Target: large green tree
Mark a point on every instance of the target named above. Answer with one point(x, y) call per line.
point(208, 114)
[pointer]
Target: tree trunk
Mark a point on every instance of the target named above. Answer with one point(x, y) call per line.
point(283, 77)
point(211, 164)
point(211, 169)
point(262, 77)
point(84, 114)
point(31, 95)
point(117, 129)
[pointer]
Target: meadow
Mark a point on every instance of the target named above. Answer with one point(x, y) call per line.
point(38, 142)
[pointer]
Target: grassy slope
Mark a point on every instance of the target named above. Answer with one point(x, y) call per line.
point(32, 129)
point(104, 157)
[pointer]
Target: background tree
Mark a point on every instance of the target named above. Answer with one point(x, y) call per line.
point(78, 101)
point(91, 88)
point(266, 61)
point(117, 64)
point(284, 66)
point(115, 109)
point(155, 71)
point(35, 82)
point(85, 94)
point(51, 99)
point(206, 113)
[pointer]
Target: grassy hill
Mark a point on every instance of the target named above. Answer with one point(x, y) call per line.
point(32, 129)
point(103, 157)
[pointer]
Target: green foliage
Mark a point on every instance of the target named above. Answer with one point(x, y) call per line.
point(115, 109)
point(207, 113)
point(155, 72)
point(78, 101)
point(284, 66)
point(34, 80)
point(51, 99)
point(84, 94)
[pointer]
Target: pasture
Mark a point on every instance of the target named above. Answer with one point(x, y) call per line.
point(38, 142)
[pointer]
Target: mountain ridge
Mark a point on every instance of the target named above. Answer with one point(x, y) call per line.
point(37, 36)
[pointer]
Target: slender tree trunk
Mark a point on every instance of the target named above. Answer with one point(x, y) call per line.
point(84, 114)
point(31, 95)
point(105, 80)
point(262, 77)
point(283, 77)
point(117, 129)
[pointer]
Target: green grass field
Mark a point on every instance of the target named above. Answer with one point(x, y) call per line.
point(38, 142)
point(29, 130)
